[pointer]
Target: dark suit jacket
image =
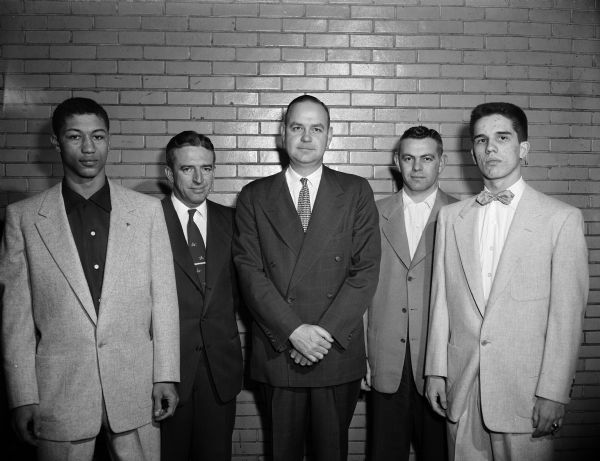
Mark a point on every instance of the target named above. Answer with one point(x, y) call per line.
point(326, 276)
point(208, 317)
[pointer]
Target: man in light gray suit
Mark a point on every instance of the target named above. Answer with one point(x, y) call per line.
point(398, 317)
point(510, 284)
point(90, 321)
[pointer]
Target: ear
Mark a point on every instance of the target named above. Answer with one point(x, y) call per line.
point(524, 151)
point(396, 157)
point(169, 174)
point(473, 156)
point(54, 141)
point(329, 136)
point(443, 161)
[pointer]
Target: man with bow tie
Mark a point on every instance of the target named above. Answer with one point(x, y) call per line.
point(510, 285)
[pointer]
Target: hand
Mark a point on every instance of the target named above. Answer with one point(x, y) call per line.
point(165, 400)
point(312, 341)
point(547, 417)
point(26, 422)
point(365, 383)
point(435, 391)
point(299, 359)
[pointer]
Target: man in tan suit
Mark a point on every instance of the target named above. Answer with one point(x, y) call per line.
point(90, 322)
point(510, 286)
point(398, 317)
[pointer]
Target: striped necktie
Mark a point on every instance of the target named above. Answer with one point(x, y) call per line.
point(197, 248)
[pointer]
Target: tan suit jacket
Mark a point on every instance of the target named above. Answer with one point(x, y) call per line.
point(57, 351)
point(524, 342)
point(400, 307)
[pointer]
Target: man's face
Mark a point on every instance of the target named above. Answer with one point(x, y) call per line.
point(420, 163)
point(192, 175)
point(306, 136)
point(497, 150)
point(83, 147)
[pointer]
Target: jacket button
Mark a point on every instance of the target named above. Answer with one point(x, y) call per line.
point(291, 299)
point(330, 295)
point(403, 340)
point(410, 277)
point(338, 258)
point(404, 310)
point(485, 342)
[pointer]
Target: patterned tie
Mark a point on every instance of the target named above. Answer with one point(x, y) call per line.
point(304, 204)
point(197, 248)
point(504, 197)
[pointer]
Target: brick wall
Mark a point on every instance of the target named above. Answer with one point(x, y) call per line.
point(227, 68)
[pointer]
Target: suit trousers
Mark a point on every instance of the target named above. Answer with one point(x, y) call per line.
point(202, 426)
point(470, 440)
point(402, 417)
point(324, 412)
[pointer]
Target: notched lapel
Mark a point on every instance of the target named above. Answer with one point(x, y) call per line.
point(393, 228)
point(467, 241)
point(428, 238)
point(283, 216)
point(218, 236)
point(55, 231)
point(520, 237)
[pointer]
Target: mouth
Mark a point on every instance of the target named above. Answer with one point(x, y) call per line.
point(88, 163)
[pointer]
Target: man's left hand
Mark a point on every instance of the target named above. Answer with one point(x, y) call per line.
point(165, 400)
point(547, 417)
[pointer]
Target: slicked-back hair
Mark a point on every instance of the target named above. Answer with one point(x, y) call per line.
point(420, 132)
point(305, 98)
point(76, 106)
point(514, 113)
point(187, 138)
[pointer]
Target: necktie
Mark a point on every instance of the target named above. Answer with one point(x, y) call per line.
point(197, 248)
point(504, 197)
point(304, 204)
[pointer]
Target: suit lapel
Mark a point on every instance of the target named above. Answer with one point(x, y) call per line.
point(519, 238)
point(283, 216)
point(54, 229)
point(393, 228)
point(179, 246)
point(328, 210)
point(218, 237)
point(123, 228)
point(426, 242)
point(467, 242)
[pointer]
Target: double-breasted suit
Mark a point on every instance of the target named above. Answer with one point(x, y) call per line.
point(400, 308)
point(207, 318)
point(325, 277)
point(57, 351)
point(523, 343)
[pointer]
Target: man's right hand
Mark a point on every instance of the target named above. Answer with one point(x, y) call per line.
point(312, 341)
point(26, 422)
point(435, 391)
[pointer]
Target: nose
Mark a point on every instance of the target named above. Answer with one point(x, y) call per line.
point(306, 136)
point(417, 165)
point(88, 144)
point(490, 146)
point(198, 176)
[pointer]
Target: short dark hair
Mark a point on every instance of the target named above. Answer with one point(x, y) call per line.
point(420, 132)
point(187, 138)
point(76, 106)
point(514, 113)
point(305, 98)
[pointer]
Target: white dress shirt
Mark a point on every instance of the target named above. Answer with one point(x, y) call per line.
point(494, 220)
point(199, 218)
point(416, 215)
point(294, 185)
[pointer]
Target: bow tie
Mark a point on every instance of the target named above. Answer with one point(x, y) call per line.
point(504, 197)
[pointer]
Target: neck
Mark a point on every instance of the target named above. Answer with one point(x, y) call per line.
point(419, 196)
point(86, 187)
point(498, 185)
point(304, 170)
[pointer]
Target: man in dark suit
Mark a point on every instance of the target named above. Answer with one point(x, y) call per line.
point(307, 250)
point(399, 315)
point(211, 359)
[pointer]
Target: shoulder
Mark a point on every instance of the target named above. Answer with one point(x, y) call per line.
point(226, 212)
point(552, 209)
point(263, 184)
point(139, 199)
point(388, 203)
point(345, 179)
point(446, 198)
point(34, 202)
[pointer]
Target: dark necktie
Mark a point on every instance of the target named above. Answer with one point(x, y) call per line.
point(504, 197)
point(304, 204)
point(197, 248)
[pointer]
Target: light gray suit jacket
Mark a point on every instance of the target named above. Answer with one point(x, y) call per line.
point(57, 351)
point(400, 307)
point(524, 342)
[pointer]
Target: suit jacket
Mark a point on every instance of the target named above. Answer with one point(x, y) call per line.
point(326, 276)
point(400, 307)
point(524, 342)
point(207, 319)
point(57, 351)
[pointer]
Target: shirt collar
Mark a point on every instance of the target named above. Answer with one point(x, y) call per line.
point(182, 209)
point(313, 178)
point(72, 199)
point(429, 200)
point(517, 189)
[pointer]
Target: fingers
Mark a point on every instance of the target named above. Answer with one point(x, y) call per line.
point(435, 391)
point(312, 341)
point(324, 334)
point(165, 400)
point(26, 423)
